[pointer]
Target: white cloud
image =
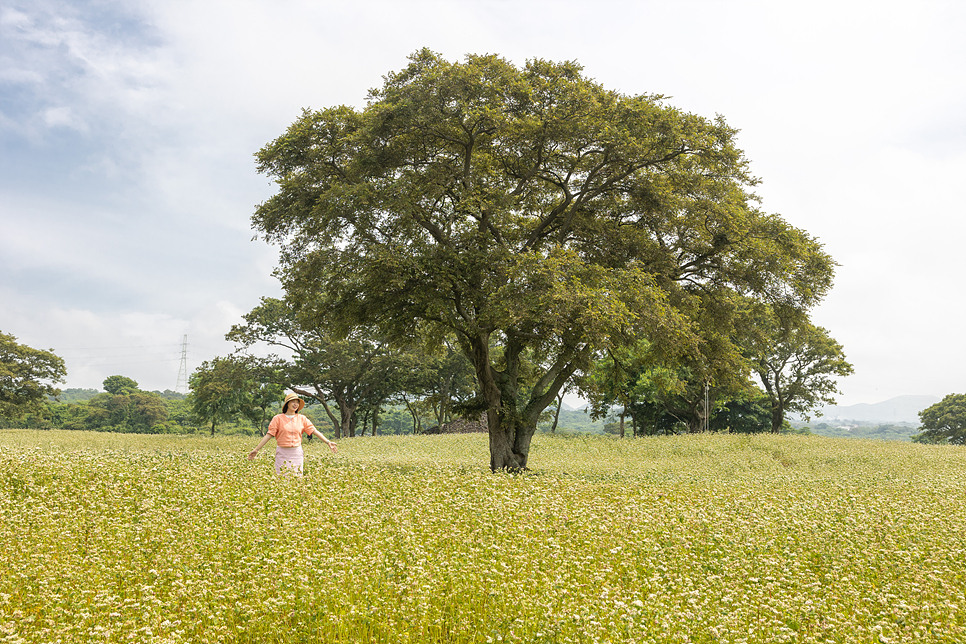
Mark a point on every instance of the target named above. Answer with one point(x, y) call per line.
point(63, 117)
point(143, 346)
point(10, 17)
point(9, 73)
point(134, 124)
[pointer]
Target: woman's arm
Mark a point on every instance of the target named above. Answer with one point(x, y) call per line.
point(331, 444)
point(252, 454)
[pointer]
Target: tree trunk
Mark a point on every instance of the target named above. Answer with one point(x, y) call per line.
point(777, 418)
point(623, 413)
point(352, 421)
point(347, 424)
point(556, 415)
point(695, 417)
point(777, 404)
point(336, 427)
point(510, 428)
point(417, 425)
point(212, 427)
point(509, 444)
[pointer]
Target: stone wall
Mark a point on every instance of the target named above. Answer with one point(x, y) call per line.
point(460, 426)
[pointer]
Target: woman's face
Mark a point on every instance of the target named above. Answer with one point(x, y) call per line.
point(291, 406)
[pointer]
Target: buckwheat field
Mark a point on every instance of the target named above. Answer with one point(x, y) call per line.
point(706, 538)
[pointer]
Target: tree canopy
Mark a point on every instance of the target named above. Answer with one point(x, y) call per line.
point(27, 375)
point(944, 422)
point(119, 385)
point(533, 215)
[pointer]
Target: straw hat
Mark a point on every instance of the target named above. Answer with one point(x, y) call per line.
point(293, 397)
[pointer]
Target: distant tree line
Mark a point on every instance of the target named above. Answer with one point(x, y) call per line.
point(121, 407)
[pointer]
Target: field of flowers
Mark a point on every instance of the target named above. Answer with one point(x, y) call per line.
point(708, 538)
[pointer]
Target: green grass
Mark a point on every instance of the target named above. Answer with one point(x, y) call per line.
point(141, 538)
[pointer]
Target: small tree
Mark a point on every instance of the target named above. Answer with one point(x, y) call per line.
point(219, 390)
point(944, 422)
point(355, 369)
point(265, 388)
point(796, 361)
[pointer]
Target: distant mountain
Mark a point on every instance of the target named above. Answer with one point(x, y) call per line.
point(565, 407)
point(901, 409)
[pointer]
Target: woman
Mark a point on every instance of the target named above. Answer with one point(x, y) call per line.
point(287, 428)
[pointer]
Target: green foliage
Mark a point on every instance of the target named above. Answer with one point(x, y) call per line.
point(139, 412)
point(360, 371)
point(180, 418)
point(120, 385)
point(26, 376)
point(748, 413)
point(675, 398)
point(440, 384)
point(131, 411)
point(533, 215)
point(573, 421)
point(944, 422)
point(167, 394)
point(76, 395)
point(396, 422)
point(72, 416)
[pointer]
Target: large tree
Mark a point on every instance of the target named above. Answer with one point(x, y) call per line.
point(529, 212)
point(27, 376)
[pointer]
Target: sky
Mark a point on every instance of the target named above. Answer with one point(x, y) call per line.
point(128, 129)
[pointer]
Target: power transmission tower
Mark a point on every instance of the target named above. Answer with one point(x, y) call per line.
point(182, 385)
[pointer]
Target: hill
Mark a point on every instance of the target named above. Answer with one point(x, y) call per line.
point(901, 409)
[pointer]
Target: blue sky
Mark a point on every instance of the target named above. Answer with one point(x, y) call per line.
point(127, 131)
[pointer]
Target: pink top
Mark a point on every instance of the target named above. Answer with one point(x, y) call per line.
point(288, 430)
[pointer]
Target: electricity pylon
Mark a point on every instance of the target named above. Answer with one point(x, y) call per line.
point(182, 385)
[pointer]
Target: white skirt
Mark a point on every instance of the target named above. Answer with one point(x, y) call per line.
point(288, 459)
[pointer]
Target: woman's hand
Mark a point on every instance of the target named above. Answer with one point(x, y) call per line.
point(333, 447)
point(252, 454)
